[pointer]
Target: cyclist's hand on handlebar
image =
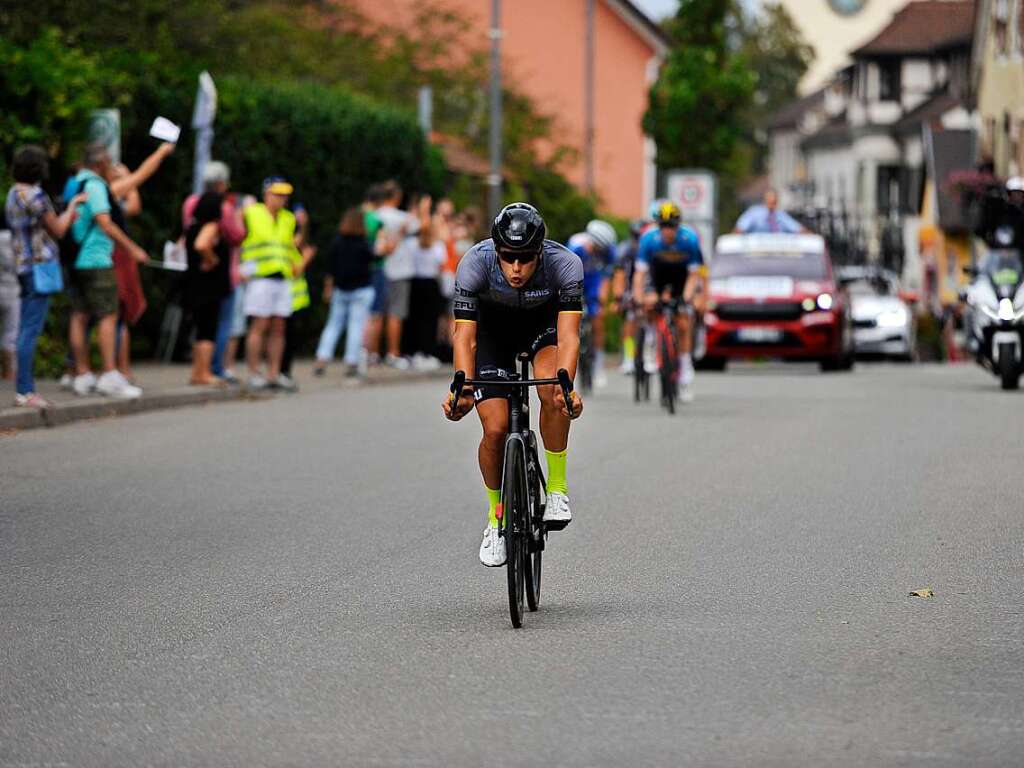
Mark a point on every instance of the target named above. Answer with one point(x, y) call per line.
point(459, 408)
point(577, 404)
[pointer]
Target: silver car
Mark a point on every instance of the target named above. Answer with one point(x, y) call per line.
point(883, 317)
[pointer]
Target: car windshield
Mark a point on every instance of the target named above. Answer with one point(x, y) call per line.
point(802, 266)
point(1003, 266)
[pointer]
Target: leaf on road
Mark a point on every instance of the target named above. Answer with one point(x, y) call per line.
point(926, 592)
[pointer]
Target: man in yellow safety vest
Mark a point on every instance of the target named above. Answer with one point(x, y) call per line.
point(268, 266)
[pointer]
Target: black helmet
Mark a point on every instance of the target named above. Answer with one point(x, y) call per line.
point(518, 228)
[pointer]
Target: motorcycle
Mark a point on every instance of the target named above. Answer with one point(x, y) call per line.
point(995, 317)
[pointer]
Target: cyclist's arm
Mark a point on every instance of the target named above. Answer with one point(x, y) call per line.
point(696, 273)
point(464, 347)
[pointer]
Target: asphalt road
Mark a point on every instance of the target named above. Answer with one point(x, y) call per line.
point(295, 582)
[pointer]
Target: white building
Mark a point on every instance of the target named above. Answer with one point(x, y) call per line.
point(852, 156)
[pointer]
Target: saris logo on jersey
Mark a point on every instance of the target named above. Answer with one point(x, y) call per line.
point(537, 293)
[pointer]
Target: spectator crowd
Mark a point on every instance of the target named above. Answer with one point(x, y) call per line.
point(389, 277)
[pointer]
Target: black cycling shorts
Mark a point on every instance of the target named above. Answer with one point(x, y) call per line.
point(667, 276)
point(502, 333)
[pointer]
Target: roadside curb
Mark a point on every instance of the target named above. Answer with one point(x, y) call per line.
point(17, 419)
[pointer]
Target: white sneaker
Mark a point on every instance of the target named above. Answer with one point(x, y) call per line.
point(600, 379)
point(628, 366)
point(67, 382)
point(492, 548)
point(257, 382)
point(84, 384)
point(686, 371)
point(114, 384)
point(420, 362)
point(286, 382)
point(686, 393)
point(398, 363)
point(557, 513)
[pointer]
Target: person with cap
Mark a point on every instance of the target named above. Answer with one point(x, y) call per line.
point(301, 259)
point(217, 178)
point(267, 264)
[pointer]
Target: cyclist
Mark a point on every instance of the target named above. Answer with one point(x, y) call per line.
point(517, 292)
point(596, 249)
point(622, 281)
point(669, 263)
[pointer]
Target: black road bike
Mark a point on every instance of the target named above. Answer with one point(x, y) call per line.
point(523, 488)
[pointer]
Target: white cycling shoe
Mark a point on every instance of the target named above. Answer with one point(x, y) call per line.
point(492, 548)
point(557, 514)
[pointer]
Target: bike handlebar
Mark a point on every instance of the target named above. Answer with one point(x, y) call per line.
point(459, 381)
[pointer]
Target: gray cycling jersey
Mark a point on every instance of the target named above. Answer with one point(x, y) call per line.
point(558, 281)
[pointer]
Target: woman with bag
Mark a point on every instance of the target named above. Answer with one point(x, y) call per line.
point(208, 281)
point(35, 229)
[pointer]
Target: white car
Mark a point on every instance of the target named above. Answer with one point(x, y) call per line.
point(883, 316)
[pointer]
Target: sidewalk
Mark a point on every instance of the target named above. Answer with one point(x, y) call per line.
point(165, 386)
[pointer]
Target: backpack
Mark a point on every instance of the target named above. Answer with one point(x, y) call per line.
point(69, 247)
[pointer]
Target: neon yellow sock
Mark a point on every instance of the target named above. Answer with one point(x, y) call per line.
point(556, 471)
point(493, 497)
point(628, 348)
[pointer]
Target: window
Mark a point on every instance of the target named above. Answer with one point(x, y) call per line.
point(887, 193)
point(889, 80)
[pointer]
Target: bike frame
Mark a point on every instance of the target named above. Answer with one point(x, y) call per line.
point(520, 436)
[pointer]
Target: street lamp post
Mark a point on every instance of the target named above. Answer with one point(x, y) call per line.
point(494, 177)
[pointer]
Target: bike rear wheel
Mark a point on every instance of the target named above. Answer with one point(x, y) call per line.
point(514, 512)
point(535, 540)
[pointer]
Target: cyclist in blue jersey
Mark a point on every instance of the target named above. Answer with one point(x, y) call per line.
point(669, 264)
point(596, 249)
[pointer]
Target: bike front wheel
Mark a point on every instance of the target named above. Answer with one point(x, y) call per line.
point(514, 513)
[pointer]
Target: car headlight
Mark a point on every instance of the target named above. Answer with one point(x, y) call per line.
point(825, 301)
point(896, 318)
point(808, 305)
point(1006, 310)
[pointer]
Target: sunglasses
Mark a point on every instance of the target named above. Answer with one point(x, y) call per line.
point(523, 257)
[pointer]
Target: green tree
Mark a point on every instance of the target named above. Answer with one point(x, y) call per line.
point(697, 108)
point(778, 54)
point(49, 91)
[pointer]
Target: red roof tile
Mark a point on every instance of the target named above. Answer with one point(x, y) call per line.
point(923, 26)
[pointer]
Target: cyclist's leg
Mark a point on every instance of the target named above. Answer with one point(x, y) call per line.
point(495, 359)
point(554, 430)
point(493, 415)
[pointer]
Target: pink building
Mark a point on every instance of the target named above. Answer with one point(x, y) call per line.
point(544, 53)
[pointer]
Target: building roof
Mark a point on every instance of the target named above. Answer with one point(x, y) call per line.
point(926, 113)
point(789, 115)
point(924, 26)
point(835, 132)
point(641, 24)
